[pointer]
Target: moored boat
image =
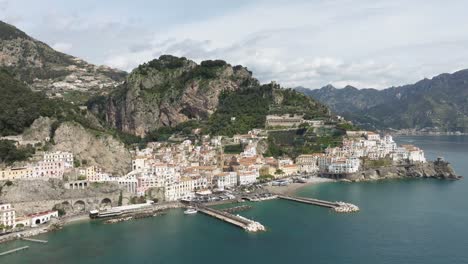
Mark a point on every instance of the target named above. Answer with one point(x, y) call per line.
point(190, 210)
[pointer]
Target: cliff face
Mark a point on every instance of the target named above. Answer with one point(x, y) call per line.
point(96, 148)
point(436, 169)
point(170, 90)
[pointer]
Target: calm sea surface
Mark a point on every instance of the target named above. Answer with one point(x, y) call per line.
point(401, 222)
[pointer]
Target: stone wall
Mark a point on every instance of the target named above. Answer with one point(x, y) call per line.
point(30, 196)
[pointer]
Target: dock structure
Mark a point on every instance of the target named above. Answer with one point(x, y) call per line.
point(34, 240)
point(237, 220)
point(309, 201)
point(339, 207)
point(237, 208)
point(13, 250)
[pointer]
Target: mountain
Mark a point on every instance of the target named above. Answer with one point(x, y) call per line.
point(440, 103)
point(172, 91)
point(53, 72)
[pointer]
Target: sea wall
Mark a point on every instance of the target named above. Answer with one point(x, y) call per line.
point(30, 196)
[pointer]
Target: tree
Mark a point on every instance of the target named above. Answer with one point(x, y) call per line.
point(119, 203)
point(279, 172)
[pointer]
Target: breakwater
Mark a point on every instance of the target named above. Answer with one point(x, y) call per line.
point(237, 220)
point(339, 207)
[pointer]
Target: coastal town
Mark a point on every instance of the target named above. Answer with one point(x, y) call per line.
point(193, 171)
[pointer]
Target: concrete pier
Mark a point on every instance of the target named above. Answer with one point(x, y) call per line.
point(339, 207)
point(34, 240)
point(13, 250)
point(242, 222)
point(309, 201)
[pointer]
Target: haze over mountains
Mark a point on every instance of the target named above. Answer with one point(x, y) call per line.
point(440, 103)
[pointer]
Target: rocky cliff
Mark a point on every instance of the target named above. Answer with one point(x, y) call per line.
point(436, 169)
point(170, 90)
point(45, 69)
point(93, 148)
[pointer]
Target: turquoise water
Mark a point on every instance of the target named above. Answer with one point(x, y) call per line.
point(405, 221)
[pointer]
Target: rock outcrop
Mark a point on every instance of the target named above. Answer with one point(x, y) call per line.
point(439, 169)
point(97, 148)
point(40, 130)
point(170, 90)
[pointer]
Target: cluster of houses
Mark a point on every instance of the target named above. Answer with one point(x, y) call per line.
point(359, 145)
point(182, 170)
point(52, 165)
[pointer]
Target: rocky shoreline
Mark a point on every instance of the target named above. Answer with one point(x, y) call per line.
point(438, 169)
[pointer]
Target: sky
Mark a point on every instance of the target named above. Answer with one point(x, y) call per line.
point(363, 43)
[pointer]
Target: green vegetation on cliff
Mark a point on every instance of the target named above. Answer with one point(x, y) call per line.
point(240, 111)
point(19, 107)
point(9, 153)
point(302, 141)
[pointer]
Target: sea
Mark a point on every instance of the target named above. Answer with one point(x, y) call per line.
point(419, 221)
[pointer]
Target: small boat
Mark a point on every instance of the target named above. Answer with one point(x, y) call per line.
point(190, 210)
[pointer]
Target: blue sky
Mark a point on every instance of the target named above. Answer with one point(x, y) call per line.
point(365, 43)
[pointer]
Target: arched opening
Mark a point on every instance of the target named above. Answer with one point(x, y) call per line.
point(106, 203)
point(79, 206)
point(38, 221)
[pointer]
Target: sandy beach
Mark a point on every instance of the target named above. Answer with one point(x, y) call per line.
point(291, 188)
point(75, 218)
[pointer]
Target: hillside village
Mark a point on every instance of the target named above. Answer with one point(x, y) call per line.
point(171, 171)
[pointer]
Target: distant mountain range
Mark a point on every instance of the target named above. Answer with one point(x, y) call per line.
point(440, 103)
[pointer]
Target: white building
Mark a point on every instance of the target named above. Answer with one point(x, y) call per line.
point(372, 136)
point(42, 217)
point(139, 163)
point(349, 165)
point(185, 188)
point(225, 180)
point(246, 177)
point(59, 156)
point(7, 215)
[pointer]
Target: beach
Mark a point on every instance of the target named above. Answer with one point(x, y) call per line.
point(291, 188)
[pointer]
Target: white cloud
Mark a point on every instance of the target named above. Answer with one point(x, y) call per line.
point(363, 43)
point(62, 46)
